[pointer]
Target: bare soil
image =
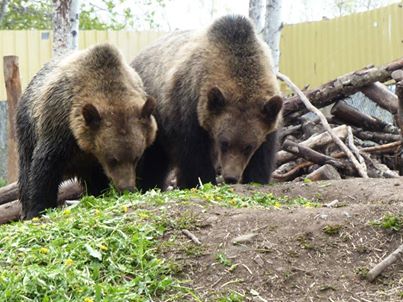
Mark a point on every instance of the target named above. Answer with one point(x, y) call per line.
point(296, 253)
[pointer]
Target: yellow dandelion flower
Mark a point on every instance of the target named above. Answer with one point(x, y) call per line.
point(277, 204)
point(193, 190)
point(232, 202)
point(88, 300)
point(143, 215)
point(69, 262)
point(35, 219)
point(97, 212)
point(125, 209)
point(67, 212)
point(43, 250)
point(103, 247)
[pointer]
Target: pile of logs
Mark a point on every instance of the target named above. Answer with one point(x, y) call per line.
point(308, 151)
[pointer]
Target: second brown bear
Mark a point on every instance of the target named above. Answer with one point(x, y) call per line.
point(218, 105)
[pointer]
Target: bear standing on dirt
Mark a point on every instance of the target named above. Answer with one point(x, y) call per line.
point(85, 115)
point(218, 105)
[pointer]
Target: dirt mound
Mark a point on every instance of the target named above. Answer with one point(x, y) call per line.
point(296, 253)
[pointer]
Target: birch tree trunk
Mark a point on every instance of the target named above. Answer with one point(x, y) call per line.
point(61, 26)
point(272, 30)
point(74, 24)
point(3, 7)
point(256, 13)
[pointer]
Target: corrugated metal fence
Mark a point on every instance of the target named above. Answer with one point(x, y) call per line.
point(311, 53)
point(316, 52)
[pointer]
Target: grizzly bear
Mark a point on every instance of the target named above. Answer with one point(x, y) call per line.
point(218, 105)
point(86, 116)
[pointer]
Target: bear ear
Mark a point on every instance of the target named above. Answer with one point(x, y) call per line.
point(216, 100)
point(272, 108)
point(91, 116)
point(148, 107)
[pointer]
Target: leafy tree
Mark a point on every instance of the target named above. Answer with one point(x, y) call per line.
point(108, 14)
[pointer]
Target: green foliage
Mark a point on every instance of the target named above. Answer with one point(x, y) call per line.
point(104, 15)
point(389, 222)
point(26, 14)
point(106, 249)
point(3, 182)
point(332, 230)
point(231, 297)
point(97, 251)
point(223, 259)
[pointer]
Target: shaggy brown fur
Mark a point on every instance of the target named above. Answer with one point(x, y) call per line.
point(86, 115)
point(218, 104)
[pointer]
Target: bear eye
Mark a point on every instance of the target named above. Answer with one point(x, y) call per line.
point(247, 150)
point(112, 162)
point(224, 145)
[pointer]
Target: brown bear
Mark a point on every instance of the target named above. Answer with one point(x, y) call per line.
point(86, 116)
point(218, 105)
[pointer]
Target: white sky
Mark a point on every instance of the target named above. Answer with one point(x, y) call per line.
point(190, 14)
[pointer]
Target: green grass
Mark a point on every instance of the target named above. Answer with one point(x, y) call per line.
point(389, 222)
point(105, 249)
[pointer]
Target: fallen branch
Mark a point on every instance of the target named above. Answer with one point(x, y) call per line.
point(380, 267)
point(313, 142)
point(8, 193)
point(191, 236)
point(293, 173)
point(311, 155)
point(354, 149)
point(342, 87)
point(350, 115)
point(360, 168)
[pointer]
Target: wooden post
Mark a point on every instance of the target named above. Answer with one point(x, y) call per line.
point(13, 88)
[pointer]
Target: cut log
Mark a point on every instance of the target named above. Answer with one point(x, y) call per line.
point(398, 76)
point(342, 87)
point(379, 137)
point(13, 88)
point(381, 95)
point(296, 171)
point(8, 193)
point(311, 155)
point(350, 115)
point(11, 211)
point(325, 172)
point(314, 142)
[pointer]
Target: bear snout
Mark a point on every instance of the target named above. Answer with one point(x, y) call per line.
point(231, 180)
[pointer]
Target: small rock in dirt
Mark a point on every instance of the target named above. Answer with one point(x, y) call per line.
point(246, 238)
point(259, 260)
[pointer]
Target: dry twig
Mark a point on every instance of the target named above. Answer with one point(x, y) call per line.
point(191, 236)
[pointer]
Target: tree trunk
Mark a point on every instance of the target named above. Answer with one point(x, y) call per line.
point(272, 30)
point(256, 11)
point(74, 24)
point(13, 88)
point(3, 8)
point(61, 26)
